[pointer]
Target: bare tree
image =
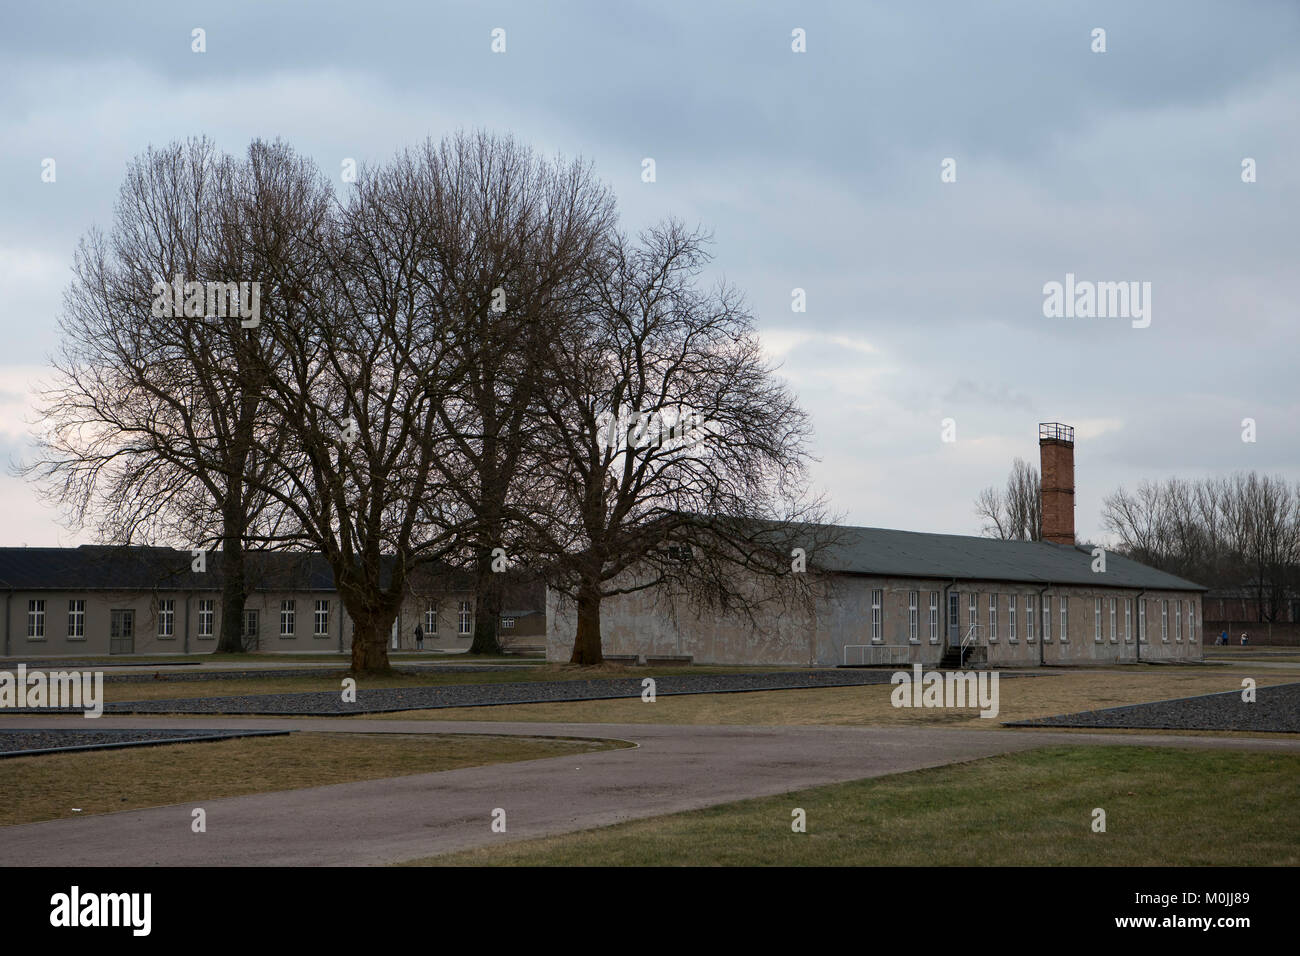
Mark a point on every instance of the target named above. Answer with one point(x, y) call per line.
point(669, 449)
point(148, 431)
point(1014, 514)
point(509, 241)
point(1238, 532)
point(368, 360)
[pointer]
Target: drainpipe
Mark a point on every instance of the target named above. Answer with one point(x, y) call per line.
point(1140, 618)
point(1042, 633)
point(947, 624)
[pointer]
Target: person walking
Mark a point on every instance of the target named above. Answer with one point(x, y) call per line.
point(419, 637)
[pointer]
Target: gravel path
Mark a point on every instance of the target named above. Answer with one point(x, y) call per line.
point(388, 700)
point(26, 743)
point(1275, 709)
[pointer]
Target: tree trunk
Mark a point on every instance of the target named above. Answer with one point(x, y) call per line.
point(586, 643)
point(487, 610)
point(232, 591)
point(370, 633)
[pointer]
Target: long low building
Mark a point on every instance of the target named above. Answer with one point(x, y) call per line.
point(103, 600)
point(890, 597)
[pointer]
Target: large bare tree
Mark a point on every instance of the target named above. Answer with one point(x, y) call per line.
point(150, 428)
point(670, 449)
point(509, 243)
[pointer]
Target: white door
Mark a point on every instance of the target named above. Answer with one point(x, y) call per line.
point(394, 633)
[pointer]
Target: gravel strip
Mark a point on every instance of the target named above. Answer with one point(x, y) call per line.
point(409, 669)
point(27, 743)
point(390, 700)
point(1275, 710)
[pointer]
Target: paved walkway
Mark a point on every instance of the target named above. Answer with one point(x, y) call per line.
point(672, 768)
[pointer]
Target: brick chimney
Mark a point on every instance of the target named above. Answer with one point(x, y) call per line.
point(1056, 450)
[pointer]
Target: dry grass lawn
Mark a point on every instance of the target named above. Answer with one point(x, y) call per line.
point(48, 787)
point(1164, 807)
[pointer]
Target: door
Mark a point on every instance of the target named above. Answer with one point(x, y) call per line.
point(395, 638)
point(250, 634)
point(121, 631)
point(954, 619)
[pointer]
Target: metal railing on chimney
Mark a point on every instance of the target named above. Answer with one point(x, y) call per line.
point(1056, 431)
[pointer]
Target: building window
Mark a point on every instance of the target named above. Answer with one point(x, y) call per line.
point(972, 617)
point(76, 620)
point(1128, 620)
point(1096, 620)
point(1178, 621)
point(36, 620)
point(431, 617)
point(1142, 622)
point(167, 617)
point(507, 622)
point(912, 598)
point(322, 618)
point(1029, 617)
point(207, 611)
point(934, 617)
point(1191, 623)
point(954, 618)
point(876, 600)
point(1164, 622)
point(1065, 619)
point(1011, 618)
point(1047, 619)
point(287, 610)
point(993, 618)
point(1114, 634)
point(466, 618)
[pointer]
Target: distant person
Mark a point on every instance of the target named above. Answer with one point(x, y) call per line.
point(1243, 638)
point(1223, 638)
point(419, 637)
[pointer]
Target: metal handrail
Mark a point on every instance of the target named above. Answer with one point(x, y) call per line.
point(971, 638)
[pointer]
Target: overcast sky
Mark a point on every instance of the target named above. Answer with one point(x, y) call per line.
point(817, 170)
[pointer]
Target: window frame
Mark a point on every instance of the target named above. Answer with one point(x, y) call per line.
point(465, 622)
point(1030, 612)
point(288, 613)
point(913, 600)
point(1011, 620)
point(166, 619)
point(76, 619)
point(993, 618)
point(877, 615)
point(316, 613)
point(209, 614)
point(36, 619)
point(1064, 601)
point(934, 617)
